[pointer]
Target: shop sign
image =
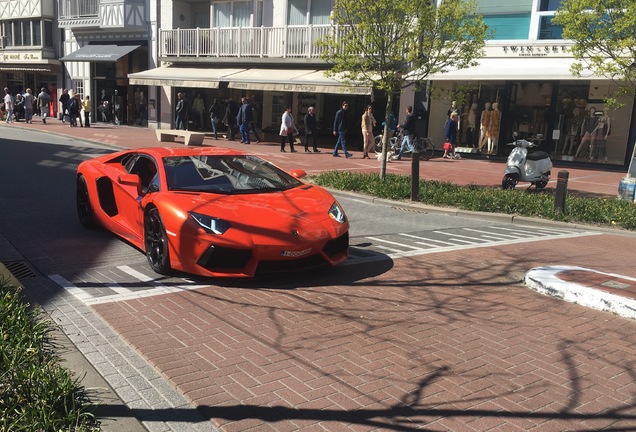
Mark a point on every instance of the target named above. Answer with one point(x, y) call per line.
point(535, 50)
point(12, 57)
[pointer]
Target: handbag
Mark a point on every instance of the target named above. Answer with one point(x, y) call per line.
point(290, 131)
point(448, 146)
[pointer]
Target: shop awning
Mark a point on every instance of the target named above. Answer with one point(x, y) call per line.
point(100, 53)
point(530, 68)
point(182, 77)
point(292, 80)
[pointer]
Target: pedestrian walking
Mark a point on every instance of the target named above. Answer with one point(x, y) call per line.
point(29, 100)
point(140, 108)
point(340, 126)
point(244, 119)
point(311, 129)
point(64, 99)
point(73, 111)
point(116, 106)
point(368, 123)
point(452, 126)
point(8, 105)
point(231, 110)
point(215, 116)
point(44, 103)
point(86, 106)
point(408, 129)
point(287, 130)
point(180, 112)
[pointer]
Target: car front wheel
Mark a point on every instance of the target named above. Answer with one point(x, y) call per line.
point(156, 242)
point(83, 202)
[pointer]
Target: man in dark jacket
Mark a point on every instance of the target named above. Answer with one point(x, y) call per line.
point(231, 110)
point(340, 126)
point(311, 129)
point(181, 120)
point(64, 98)
point(244, 120)
point(408, 129)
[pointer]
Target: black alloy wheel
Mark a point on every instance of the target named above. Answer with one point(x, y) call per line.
point(156, 242)
point(83, 203)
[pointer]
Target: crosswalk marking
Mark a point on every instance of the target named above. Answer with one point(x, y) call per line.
point(127, 283)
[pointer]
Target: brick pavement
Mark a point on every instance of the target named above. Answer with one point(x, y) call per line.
point(436, 343)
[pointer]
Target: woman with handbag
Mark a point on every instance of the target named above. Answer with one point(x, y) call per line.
point(287, 130)
point(451, 136)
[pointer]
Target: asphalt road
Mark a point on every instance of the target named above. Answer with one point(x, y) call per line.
point(426, 327)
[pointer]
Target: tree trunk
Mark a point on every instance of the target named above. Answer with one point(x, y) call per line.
point(385, 135)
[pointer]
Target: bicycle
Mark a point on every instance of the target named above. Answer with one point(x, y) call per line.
point(423, 145)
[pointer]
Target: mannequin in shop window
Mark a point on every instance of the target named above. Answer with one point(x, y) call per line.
point(471, 122)
point(573, 129)
point(484, 127)
point(599, 136)
point(587, 128)
point(493, 131)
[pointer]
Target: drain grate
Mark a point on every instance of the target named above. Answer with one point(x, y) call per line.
point(20, 269)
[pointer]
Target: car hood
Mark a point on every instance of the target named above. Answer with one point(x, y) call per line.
point(305, 208)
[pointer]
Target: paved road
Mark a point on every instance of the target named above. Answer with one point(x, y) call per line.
point(407, 336)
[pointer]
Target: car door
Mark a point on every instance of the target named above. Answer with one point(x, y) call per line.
point(129, 192)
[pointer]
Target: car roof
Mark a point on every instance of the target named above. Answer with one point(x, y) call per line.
point(161, 152)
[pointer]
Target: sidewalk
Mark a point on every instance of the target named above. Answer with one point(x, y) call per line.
point(470, 170)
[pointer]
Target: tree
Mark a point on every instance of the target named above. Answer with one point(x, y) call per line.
point(604, 35)
point(392, 44)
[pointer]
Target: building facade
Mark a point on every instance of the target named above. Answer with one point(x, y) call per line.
point(525, 73)
point(150, 50)
point(29, 46)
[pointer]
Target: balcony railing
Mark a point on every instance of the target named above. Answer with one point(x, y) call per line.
point(76, 9)
point(276, 42)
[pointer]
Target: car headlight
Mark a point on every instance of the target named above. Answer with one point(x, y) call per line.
point(336, 213)
point(210, 224)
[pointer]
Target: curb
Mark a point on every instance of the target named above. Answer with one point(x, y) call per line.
point(545, 280)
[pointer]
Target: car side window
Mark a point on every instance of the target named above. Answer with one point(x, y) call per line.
point(146, 169)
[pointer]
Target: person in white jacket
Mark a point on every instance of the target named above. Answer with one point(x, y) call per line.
point(287, 130)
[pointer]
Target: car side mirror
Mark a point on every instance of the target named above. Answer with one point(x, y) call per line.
point(129, 179)
point(298, 173)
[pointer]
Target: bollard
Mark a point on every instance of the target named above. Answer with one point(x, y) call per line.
point(415, 175)
point(561, 190)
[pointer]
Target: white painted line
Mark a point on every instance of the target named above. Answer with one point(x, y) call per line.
point(425, 238)
point(391, 242)
point(488, 233)
point(456, 236)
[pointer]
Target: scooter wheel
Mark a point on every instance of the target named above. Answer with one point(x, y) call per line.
point(541, 184)
point(509, 181)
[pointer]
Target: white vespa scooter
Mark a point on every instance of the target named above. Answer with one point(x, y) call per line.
point(526, 165)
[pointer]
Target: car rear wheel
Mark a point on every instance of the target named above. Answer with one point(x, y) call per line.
point(156, 242)
point(83, 202)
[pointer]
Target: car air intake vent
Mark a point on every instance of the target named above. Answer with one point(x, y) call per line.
point(222, 258)
point(337, 246)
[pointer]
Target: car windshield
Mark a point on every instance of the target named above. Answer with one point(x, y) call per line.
point(225, 174)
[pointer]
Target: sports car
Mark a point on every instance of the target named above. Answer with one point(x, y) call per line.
point(212, 211)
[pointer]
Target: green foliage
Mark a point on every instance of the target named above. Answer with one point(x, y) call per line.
point(379, 42)
point(599, 211)
point(36, 393)
point(392, 44)
point(604, 32)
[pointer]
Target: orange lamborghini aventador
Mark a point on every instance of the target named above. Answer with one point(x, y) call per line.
point(212, 211)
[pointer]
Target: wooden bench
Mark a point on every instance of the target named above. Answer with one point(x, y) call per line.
point(189, 137)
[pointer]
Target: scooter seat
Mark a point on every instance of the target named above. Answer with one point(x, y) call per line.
point(537, 155)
